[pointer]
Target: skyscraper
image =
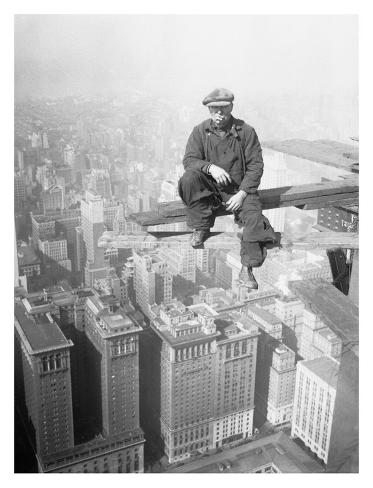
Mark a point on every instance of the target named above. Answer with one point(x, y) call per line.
point(236, 361)
point(92, 215)
point(207, 378)
point(19, 190)
point(80, 378)
point(53, 199)
point(47, 380)
point(315, 392)
point(152, 280)
point(281, 385)
point(181, 261)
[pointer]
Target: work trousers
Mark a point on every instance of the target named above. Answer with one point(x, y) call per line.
point(203, 197)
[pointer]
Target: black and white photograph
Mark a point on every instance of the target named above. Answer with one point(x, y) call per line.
point(186, 243)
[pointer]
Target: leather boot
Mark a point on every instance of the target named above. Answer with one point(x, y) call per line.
point(247, 278)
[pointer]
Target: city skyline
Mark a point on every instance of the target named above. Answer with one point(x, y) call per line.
point(131, 356)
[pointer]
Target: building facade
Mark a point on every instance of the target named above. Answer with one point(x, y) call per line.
point(281, 386)
point(315, 391)
point(207, 378)
point(83, 422)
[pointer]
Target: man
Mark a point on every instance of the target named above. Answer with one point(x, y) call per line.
point(223, 168)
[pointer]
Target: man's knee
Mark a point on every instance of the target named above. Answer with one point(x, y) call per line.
point(189, 179)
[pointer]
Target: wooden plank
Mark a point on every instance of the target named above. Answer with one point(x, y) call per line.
point(315, 194)
point(332, 307)
point(329, 153)
point(229, 240)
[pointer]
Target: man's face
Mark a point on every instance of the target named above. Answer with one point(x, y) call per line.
point(220, 115)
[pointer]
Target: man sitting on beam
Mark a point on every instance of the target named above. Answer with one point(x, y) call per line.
point(223, 168)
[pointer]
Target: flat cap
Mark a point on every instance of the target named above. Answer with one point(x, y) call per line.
point(218, 98)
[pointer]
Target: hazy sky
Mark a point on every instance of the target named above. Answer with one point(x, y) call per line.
point(185, 55)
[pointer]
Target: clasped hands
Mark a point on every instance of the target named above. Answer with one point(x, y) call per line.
point(222, 177)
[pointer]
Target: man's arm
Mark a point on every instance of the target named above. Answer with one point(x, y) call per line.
point(194, 157)
point(254, 163)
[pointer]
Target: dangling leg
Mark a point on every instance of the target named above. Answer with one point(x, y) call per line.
point(198, 193)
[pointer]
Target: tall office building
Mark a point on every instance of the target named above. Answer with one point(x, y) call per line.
point(236, 360)
point(80, 379)
point(207, 378)
point(53, 199)
point(187, 377)
point(181, 261)
point(68, 155)
point(43, 227)
point(281, 385)
point(47, 380)
point(98, 180)
point(54, 252)
point(275, 374)
point(92, 215)
point(152, 280)
point(19, 190)
point(290, 311)
point(202, 259)
point(114, 337)
point(317, 339)
point(315, 392)
point(274, 176)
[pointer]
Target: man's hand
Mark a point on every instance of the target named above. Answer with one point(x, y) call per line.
point(219, 175)
point(235, 202)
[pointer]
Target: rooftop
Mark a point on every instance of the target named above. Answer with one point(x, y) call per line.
point(276, 449)
point(264, 315)
point(118, 322)
point(43, 218)
point(325, 368)
point(328, 334)
point(40, 333)
point(27, 256)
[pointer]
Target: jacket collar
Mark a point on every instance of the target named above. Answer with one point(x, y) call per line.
point(236, 126)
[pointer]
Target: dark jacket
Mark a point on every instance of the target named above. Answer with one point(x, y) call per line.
point(239, 152)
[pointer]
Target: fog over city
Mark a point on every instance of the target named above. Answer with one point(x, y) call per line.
point(144, 343)
point(184, 55)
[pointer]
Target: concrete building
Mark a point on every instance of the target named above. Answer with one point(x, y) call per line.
point(235, 379)
point(315, 392)
point(19, 190)
point(43, 227)
point(152, 280)
point(98, 180)
point(112, 211)
point(45, 353)
point(54, 251)
point(274, 176)
point(66, 224)
point(53, 199)
point(281, 385)
point(223, 271)
point(207, 378)
point(181, 261)
point(169, 191)
point(92, 215)
point(28, 262)
point(282, 266)
point(202, 259)
point(80, 378)
point(317, 339)
point(68, 155)
point(290, 311)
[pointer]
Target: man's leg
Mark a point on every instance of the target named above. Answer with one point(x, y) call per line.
point(256, 231)
point(199, 194)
